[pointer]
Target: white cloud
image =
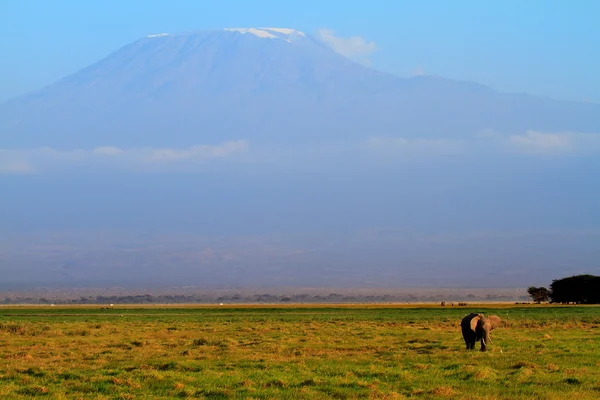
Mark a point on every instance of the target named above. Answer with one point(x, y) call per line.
point(555, 143)
point(12, 163)
point(19, 161)
point(355, 47)
point(195, 152)
point(418, 71)
point(107, 151)
point(488, 142)
point(15, 168)
point(538, 142)
point(416, 146)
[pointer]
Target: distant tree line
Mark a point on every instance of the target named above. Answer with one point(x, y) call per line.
point(580, 289)
point(237, 298)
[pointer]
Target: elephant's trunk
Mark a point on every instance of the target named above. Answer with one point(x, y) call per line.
point(485, 339)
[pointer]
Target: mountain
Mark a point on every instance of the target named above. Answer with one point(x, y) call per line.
point(267, 86)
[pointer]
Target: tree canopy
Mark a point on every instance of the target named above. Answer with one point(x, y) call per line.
point(583, 289)
point(538, 294)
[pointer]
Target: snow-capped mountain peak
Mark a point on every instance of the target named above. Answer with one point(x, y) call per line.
point(270, 33)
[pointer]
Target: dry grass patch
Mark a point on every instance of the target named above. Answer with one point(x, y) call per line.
point(552, 367)
point(443, 391)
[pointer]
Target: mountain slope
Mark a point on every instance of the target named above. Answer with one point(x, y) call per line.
point(267, 85)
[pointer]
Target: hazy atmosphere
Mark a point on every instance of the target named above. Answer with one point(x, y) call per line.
point(276, 144)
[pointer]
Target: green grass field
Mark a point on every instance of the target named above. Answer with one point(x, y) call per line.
point(296, 352)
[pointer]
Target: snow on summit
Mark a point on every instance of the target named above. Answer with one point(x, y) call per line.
point(269, 33)
point(285, 31)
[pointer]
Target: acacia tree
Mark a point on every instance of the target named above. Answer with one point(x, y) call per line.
point(583, 289)
point(538, 294)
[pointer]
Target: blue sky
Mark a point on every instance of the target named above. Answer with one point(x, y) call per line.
point(541, 47)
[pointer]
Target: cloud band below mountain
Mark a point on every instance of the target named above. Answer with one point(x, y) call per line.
point(486, 143)
point(19, 161)
point(531, 143)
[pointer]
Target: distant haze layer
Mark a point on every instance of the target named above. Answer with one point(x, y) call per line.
point(285, 153)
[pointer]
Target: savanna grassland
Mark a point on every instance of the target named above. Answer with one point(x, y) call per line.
point(296, 352)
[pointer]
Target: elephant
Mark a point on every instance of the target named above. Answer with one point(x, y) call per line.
point(477, 327)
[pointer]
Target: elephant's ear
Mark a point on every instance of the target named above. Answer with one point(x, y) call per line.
point(495, 321)
point(475, 321)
